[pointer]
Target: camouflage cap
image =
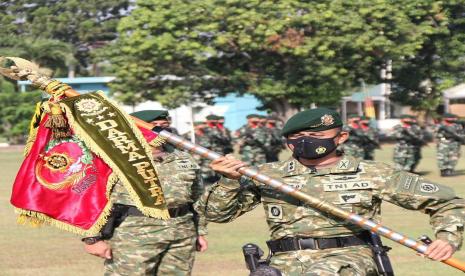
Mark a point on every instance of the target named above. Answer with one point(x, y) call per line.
point(316, 119)
point(449, 115)
point(151, 115)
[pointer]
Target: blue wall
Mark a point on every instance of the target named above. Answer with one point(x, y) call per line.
point(237, 108)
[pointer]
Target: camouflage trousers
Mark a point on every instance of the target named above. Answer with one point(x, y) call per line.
point(447, 154)
point(406, 157)
point(348, 261)
point(253, 156)
point(354, 150)
point(148, 246)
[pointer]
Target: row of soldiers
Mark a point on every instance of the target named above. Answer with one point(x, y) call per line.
point(258, 141)
point(410, 137)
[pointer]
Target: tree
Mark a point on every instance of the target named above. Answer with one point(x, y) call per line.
point(289, 54)
point(16, 110)
point(84, 24)
point(419, 79)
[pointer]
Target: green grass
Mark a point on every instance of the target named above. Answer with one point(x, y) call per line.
point(47, 251)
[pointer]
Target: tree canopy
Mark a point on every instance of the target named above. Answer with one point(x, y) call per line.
point(288, 53)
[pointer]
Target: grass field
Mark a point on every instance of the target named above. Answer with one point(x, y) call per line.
point(47, 251)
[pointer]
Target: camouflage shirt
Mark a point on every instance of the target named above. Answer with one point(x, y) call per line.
point(409, 136)
point(453, 133)
point(356, 186)
point(180, 180)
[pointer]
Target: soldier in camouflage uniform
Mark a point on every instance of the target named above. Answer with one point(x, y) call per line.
point(354, 146)
point(276, 144)
point(201, 138)
point(141, 245)
point(410, 139)
point(219, 136)
point(449, 136)
point(164, 121)
point(306, 241)
point(370, 138)
point(253, 140)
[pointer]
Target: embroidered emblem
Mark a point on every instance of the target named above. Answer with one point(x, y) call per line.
point(291, 166)
point(344, 164)
point(88, 105)
point(347, 186)
point(349, 198)
point(327, 120)
point(320, 150)
point(428, 188)
point(58, 162)
point(275, 211)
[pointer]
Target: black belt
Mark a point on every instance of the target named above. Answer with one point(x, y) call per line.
point(295, 243)
point(174, 212)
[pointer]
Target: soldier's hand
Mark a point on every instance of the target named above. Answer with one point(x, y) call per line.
point(227, 166)
point(100, 249)
point(202, 244)
point(440, 250)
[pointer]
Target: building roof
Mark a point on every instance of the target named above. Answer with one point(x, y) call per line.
point(456, 92)
point(373, 91)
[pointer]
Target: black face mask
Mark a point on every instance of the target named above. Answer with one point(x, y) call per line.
point(312, 148)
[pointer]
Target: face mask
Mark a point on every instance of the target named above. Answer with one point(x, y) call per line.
point(312, 148)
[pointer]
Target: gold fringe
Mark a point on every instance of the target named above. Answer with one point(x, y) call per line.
point(36, 219)
point(57, 122)
point(155, 212)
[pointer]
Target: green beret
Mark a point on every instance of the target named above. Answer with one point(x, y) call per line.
point(250, 116)
point(364, 118)
point(407, 116)
point(317, 119)
point(220, 117)
point(352, 116)
point(151, 115)
point(212, 117)
point(449, 115)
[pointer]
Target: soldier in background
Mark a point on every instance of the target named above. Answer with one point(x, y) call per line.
point(410, 139)
point(228, 148)
point(354, 146)
point(219, 140)
point(305, 241)
point(449, 136)
point(135, 244)
point(370, 139)
point(275, 141)
point(253, 140)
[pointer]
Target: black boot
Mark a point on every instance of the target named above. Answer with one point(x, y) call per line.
point(443, 172)
point(450, 172)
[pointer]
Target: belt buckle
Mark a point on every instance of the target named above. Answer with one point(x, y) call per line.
point(316, 244)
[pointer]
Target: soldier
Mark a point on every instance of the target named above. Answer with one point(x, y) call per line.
point(218, 135)
point(276, 143)
point(134, 244)
point(306, 241)
point(253, 140)
point(370, 140)
point(449, 136)
point(410, 139)
point(228, 148)
point(164, 121)
point(354, 146)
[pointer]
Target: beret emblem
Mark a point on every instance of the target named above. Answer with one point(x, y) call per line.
point(327, 120)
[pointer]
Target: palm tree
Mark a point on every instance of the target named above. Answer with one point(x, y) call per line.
point(51, 55)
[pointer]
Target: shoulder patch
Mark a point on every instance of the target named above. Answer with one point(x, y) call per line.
point(428, 188)
point(275, 211)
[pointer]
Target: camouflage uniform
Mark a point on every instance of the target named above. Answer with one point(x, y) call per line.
point(407, 151)
point(449, 138)
point(371, 143)
point(148, 246)
point(275, 143)
point(253, 143)
point(354, 146)
point(354, 185)
point(219, 140)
